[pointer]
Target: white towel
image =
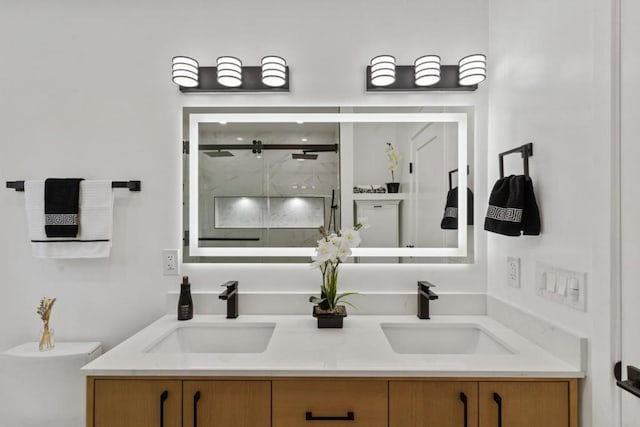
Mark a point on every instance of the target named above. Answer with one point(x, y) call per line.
point(95, 229)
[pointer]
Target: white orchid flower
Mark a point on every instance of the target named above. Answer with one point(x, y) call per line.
point(351, 236)
point(325, 251)
point(344, 252)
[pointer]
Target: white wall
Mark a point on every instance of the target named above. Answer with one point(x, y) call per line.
point(86, 91)
point(550, 75)
point(630, 204)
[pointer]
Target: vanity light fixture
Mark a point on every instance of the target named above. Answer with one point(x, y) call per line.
point(274, 71)
point(382, 70)
point(229, 75)
point(426, 74)
point(472, 69)
point(184, 71)
point(229, 71)
point(427, 70)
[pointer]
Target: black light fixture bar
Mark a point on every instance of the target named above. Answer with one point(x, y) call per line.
point(406, 81)
point(251, 82)
point(131, 185)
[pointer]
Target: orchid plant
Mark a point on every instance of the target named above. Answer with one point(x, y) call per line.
point(333, 249)
point(394, 159)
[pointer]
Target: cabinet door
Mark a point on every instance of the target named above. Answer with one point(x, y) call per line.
point(433, 404)
point(137, 403)
point(330, 403)
point(383, 219)
point(227, 404)
point(524, 404)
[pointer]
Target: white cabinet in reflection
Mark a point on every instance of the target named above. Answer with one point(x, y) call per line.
point(383, 217)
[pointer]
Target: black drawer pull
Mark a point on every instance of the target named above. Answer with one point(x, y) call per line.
point(196, 399)
point(498, 400)
point(463, 398)
point(350, 417)
point(163, 398)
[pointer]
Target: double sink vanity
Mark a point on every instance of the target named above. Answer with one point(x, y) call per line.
point(258, 183)
point(281, 371)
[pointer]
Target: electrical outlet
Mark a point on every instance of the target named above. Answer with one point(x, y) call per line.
point(513, 272)
point(170, 262)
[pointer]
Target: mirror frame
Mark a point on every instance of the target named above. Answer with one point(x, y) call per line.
point(344, 117)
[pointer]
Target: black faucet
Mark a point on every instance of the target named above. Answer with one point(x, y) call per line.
point(424, 296)
point(231, 296)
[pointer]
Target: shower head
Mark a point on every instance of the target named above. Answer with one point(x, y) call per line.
point(219, 153)
point(304, 156)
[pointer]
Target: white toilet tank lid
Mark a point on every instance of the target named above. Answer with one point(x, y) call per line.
point(61, 349)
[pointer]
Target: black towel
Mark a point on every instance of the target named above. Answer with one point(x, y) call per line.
point(450, 218)
point(512, 207)
point(61, 206)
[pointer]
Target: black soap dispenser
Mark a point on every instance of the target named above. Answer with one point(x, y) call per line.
point(185, 303)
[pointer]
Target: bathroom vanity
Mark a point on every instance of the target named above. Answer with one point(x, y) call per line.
point(281, 371)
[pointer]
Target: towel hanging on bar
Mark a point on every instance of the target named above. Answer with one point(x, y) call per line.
point(94, 234)
point(513, 209)
point(450, 218)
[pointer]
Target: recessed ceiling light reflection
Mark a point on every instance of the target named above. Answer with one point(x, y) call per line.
point(304, 140)
point(300, 122)
point(223, 123)
point(239, 138)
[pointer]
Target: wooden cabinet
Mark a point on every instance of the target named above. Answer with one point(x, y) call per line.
point(433, 404)
point(334, 402)
point(136, 403)
point(227, 403)
point(331, 402)
point(525, 404)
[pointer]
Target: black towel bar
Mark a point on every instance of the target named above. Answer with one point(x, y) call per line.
point(451, 176)
point(131, 185)
point(525, 150)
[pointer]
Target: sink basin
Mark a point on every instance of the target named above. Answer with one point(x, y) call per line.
point(434, 338)
point(216, 338)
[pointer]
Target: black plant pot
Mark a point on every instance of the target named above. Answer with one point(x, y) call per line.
point(330, 320)
point(393, 187)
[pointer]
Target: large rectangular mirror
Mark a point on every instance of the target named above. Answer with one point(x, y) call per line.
point(260, 182)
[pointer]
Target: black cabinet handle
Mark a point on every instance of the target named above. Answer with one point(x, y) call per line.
point(350, 417)
point(196, 399)
point(163, 398)
point(498, 400)
point(463, 398)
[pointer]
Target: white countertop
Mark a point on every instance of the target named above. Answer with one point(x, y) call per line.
point(299, 348)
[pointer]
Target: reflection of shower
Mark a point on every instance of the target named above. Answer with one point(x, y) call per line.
point(257, 147)
point(219, 153)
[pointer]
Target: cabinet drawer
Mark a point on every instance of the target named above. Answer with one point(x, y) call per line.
point(335, 403)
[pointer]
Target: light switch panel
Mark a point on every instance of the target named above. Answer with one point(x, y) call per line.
point(561, 285)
